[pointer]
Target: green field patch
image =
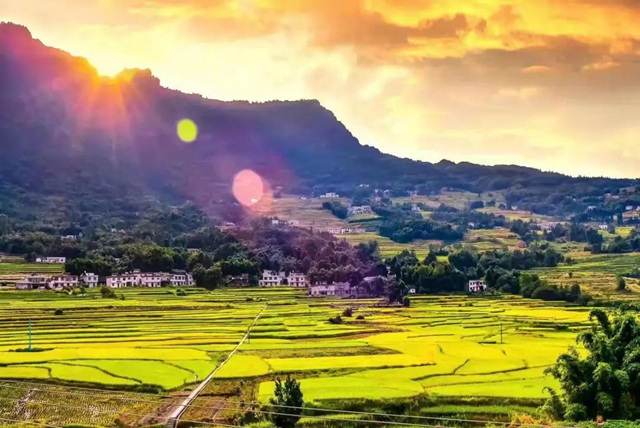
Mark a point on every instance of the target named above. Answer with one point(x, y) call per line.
point(23, 372)
point(318, 352)
point(78, 373)
point(346, 387)
point(200, 368)
point(100, 353)
point(326, 363)
point(527, 388)
point(243, 366)
point(147, 372)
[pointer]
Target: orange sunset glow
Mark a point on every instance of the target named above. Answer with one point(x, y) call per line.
point(548, 84)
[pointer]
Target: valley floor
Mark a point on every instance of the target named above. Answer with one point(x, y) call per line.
point(450, 355)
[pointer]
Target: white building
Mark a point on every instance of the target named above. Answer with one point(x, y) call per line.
point(363, 209)
point(591, 208)
point(275, 279)
point(61, 260)
point(33, 281)
point(293, 223)
point(181, 279)
point(275, 222)
point(68, 238)
point(271, 278)
point(193, 250)
point(345, 231)
point(329, 195)
point(297, 280)
point(412, 291)
point(341, 289)
point(89, 279)
point(122, 281)
point(476, 285)
point(62, 281)
point(153, 280)
point(603, 227)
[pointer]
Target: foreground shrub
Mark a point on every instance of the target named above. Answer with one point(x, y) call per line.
point(335, 320)
point(360, 317)
point(59, 312)
point(347, 312)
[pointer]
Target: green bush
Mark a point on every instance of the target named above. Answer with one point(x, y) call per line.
point(59, 312)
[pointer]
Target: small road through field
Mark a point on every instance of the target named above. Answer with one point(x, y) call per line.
point(182, 407)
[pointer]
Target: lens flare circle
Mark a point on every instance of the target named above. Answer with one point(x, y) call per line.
point(187, 130)
point(248, 187)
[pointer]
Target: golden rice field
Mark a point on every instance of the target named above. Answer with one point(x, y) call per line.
point(444, 353)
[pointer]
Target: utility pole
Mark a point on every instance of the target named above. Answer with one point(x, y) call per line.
point(29, 334)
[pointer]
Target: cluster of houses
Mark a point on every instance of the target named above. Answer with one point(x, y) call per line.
point(52, 260)
point(136, 278)
point(363, 209)
point(272, 278)
point(291, 223)
point(329, 195)
point(345, 230)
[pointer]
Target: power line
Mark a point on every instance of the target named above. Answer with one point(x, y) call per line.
point(101, 412)
point(57, 405)
point(335, 411)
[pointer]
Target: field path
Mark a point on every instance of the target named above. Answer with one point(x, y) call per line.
point(182, 407)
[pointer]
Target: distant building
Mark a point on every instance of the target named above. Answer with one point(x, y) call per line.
point(329, 195)
point(415, 208)
point(33, 281)
point(89, 279)
point(412, 291)
point(237, 281)
point(345, 231)
point(363, 209)
point(413, 193)
point(341, 289)
point(476, 285)
point(68, 237)
point(603, 227)
point(275, 222)
point(275, 279)
point(60, 260)
point(193, 250)
point(180, 278)
point(629, 208)
point(63, 281)
point(271, 278)
point(293, 223)
point(592, 208)
point(297, 280)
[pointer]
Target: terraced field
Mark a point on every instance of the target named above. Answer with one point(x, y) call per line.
point(442, 353)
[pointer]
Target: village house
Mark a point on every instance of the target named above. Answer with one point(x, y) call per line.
point(121, 281)
point(413, 193)
point(63, 281)
point(68, 238)
point(237, 281)
point(363, 209)
point(152, 280)
point(276, 279)
point(415, 208)
point(33, 281)
point(61, 260)
point(271, 278)
point(297, 280)
point(89, 279)
point(180, 278)
point(275, 222)
point(603, 227)
point(476, 285)
point(345, 231)
point(193, 250)
point(629, 208)
point(340, 289)
point(293, 223)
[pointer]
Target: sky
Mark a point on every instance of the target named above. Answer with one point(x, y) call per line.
point(552, 84)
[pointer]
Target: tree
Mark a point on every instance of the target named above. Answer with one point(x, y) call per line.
point(287, 394)
point(621, 284)
point(212, 277)
point(606, 381)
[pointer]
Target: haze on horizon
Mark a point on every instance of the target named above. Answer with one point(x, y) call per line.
point(548, 84)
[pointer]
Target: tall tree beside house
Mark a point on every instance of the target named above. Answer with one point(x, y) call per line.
point(289, 395)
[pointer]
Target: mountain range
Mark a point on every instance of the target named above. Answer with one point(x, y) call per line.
point(79, 145)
